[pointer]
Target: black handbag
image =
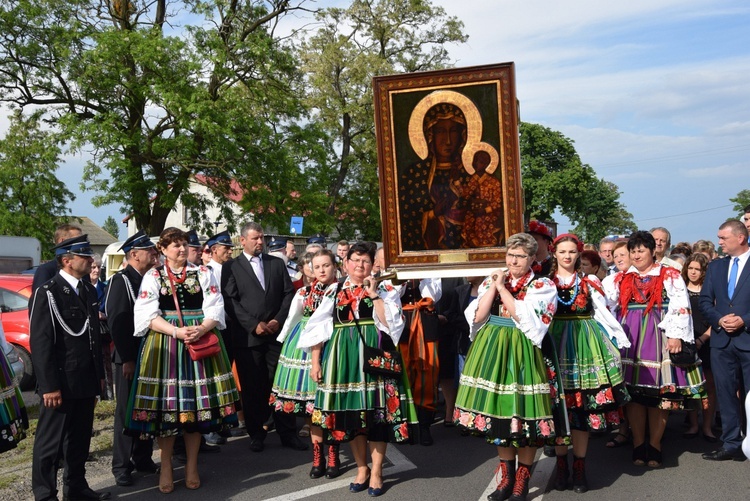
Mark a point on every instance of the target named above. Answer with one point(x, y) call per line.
point(379, 362)
point(686, 357)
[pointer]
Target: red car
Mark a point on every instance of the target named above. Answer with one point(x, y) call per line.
point(15, 291)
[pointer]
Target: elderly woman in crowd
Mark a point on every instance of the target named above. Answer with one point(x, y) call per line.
point(509, 388)
point(621, 256)
point(178, 304)
point(101, 288)
point(654, 309)
point(351, 405)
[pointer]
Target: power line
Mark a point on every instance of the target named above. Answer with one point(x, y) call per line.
point(680, 156)
point(684, 213)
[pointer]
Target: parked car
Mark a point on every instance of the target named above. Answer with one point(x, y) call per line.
point(12, 355)
point(15, 291)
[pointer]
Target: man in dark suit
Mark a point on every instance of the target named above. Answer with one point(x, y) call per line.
point(257, 295)
point(67, 357)
point(725, 302)
point(128, 453)
point(49, 269)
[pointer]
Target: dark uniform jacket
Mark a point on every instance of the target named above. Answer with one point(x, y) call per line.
point(247, 303)
point(121, 295)
point(63, 361)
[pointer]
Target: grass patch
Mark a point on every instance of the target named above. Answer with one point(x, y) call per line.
point(8, 480)
point(15, 461)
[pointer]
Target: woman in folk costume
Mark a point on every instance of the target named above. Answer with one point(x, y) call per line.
point(587, 337)
point(654, 310)
point(351, 405)
point(419, 348)
point(510, 389)
point(293, 390)
point(178, 304)
point(13, 418)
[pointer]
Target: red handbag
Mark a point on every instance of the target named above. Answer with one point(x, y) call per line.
point(208, 344)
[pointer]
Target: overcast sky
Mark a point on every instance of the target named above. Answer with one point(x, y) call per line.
point(654, 93)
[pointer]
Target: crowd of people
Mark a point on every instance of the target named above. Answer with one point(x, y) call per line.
point(571, 338)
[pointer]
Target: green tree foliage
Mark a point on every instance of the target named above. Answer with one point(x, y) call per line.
point(553, 175)
point(110, 226)
point(740, 201)
point(340, 57)
point(157, 92)
point(33, 199)
point(604, 214)
point(554, 178)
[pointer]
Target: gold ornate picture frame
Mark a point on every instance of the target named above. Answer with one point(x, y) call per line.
point(449, 167)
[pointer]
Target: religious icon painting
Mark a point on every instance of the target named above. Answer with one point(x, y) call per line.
point(450, 183)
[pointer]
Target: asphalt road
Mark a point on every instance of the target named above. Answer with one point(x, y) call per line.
point(455, 468)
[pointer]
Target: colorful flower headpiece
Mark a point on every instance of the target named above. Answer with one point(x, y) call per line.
point(540, 228)
point(579, 244)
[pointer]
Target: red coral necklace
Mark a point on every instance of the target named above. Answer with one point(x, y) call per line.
point(180, 278)
point(519, 285)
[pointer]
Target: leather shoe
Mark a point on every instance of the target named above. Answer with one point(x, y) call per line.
point(256, 445)
point(724, 455)
point(208, 448)
point(214, 438)
point(149, 467)
point(87, 495)
point(374, 492)
point(124, 479)
point(294, 443)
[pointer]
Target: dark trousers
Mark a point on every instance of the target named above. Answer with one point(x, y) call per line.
point(70, 426)
point(126, 448)
point(730, 366)
point(256, 367)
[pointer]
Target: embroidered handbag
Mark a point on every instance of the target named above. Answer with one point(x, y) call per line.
point(685, 357)
point(379, 362)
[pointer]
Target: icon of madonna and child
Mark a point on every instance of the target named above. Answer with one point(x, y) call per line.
point(451, 198)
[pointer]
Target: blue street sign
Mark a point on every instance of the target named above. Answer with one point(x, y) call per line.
point(296, 225)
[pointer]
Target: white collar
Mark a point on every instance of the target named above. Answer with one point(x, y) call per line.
point(73, 281)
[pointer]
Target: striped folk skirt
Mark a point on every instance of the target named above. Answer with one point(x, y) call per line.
point(13, 418)
point(349, 402)
point(293, 392)
point(590, 371)
point(173, 394)
point(510, 390)
point(650, 377)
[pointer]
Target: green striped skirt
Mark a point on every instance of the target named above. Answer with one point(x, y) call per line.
point(510, 390)
point(13, 418)
point(349, 402)
point(293, 392)
point(173, 393)
point(590, 371)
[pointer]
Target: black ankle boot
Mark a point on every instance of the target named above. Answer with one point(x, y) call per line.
point(332, 470)
point(521, 485)
point(426, 418)
point(318, 465)
point(561, 476)
point(507, 469)
point(579, 475)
